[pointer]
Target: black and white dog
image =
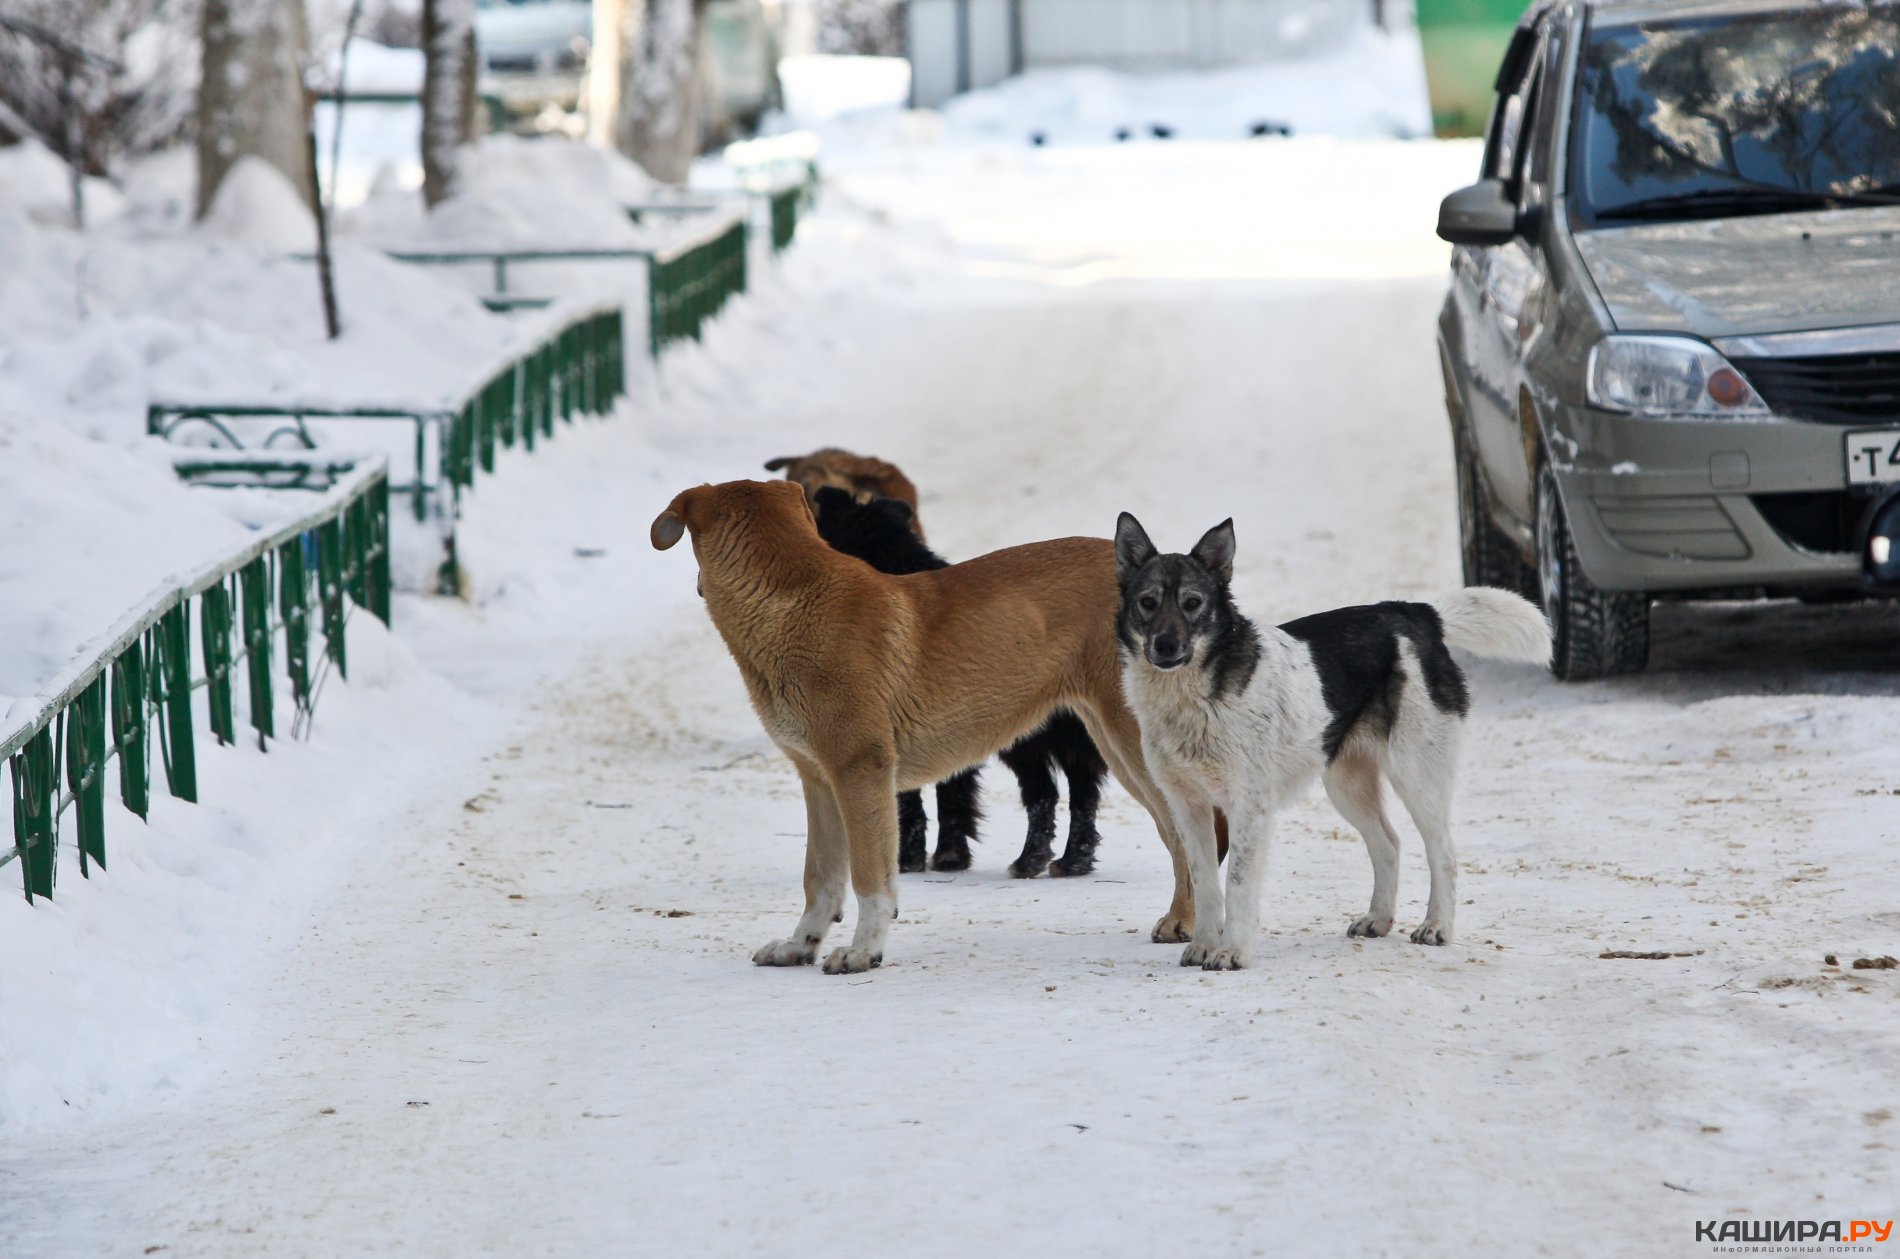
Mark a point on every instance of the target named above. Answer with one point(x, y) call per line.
point(878, 532)
point(1238, 719)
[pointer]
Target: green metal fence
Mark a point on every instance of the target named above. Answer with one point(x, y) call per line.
point(581, 368)
point(688, 282)
point(292, 583)
point(784, 206)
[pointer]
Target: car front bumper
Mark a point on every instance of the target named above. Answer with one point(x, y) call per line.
point(1705, 505)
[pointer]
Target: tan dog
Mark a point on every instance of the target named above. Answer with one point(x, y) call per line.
point(863, 477)
point(873, 684)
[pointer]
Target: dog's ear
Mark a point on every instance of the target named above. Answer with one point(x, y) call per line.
point(895, 510)
point(1216, 550)
point(831, 498)
point(793, 490)
point(783, 461)
point(1132, 547)
point(668, 528)
point(670, 525)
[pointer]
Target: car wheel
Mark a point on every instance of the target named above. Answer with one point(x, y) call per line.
point(1490, 557)
point(1596, 633)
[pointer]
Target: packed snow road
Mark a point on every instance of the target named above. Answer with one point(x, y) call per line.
point(523, 1020)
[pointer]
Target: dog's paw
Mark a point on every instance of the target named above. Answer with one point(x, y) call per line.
point(1171, 930)
point(1030, 867)
point(951, 859)
point(787, 953)
point(1371, 927)
point(1430, 932)
point(1063, 868)
point(1225, 959)
point(911, 863)
point(850, 961)
point(1197, 954)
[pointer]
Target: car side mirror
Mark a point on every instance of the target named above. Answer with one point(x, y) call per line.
point(1479, 215)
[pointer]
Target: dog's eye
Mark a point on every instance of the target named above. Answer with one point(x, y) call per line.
point(1191, 604)
point(1148, 603)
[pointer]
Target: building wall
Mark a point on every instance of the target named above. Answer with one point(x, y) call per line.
point(956, 45)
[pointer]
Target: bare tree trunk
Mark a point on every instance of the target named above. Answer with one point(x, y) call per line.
point(659, 97)
point(448, 93)
point(251, 101)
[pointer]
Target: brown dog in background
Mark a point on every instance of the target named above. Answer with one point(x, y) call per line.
point(863, 477)
point(873, 684)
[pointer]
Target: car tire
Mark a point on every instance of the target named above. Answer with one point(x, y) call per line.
point(1595, 633)
point(1490, 557)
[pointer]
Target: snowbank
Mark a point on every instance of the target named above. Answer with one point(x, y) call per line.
point(519, 193)
point(1373, 87)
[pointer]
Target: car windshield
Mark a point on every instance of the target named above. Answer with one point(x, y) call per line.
point(1754, 113)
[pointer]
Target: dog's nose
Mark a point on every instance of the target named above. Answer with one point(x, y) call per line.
point(1164, 652)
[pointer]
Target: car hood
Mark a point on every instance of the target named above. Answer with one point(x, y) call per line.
point(1757, 274)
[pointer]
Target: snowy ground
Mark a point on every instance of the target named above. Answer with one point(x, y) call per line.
point(501, 1002)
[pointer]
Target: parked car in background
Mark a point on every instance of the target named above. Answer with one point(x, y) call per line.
point(534, 52)
point(1672, 343)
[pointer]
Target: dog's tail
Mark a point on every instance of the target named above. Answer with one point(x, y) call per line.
point(1494, 623)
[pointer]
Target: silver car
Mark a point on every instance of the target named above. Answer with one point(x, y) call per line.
point(1672, 343)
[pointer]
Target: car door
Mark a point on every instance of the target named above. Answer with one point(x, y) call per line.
point(1509, 291)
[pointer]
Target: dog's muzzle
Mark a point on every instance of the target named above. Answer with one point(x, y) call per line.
point(1166, 653)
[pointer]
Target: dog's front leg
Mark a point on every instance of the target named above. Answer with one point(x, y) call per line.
point(826, 863)
point(1250, 831)
point(1194, 823)
point(866, 798)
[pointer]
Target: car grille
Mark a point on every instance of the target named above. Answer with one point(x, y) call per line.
point(1830, 388)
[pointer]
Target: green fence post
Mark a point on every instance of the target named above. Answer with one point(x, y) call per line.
point(655, 274)
point(485, 426)
point(379, 580)
point(86, 771)
point(330, 592)
point(422, 475)
point(215, 615)
point(293, 604)
point(129, 729)
point(254, 587)
point(35, 790)
point(171, 691)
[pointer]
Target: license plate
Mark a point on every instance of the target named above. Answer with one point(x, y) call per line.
point(1873, 456)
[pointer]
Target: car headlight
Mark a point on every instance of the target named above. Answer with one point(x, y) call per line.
point(1666, 376)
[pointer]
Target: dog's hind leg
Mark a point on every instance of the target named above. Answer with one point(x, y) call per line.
point(1028, 759)
point(826, 866)
point(1352, 784)
point(1422, 763)
point(913, 832)
point(867, 801)
point(1085, 770)
point(959, 809)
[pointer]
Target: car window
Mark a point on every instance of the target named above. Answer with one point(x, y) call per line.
point(1507, 116)
point(1527, 131)
point(1757, 112)
point(1544, 129)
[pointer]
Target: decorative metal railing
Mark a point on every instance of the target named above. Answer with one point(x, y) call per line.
point(293, 581)
point(688, 282)
point(581, 368)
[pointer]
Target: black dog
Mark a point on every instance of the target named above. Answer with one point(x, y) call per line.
point(878, 532)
